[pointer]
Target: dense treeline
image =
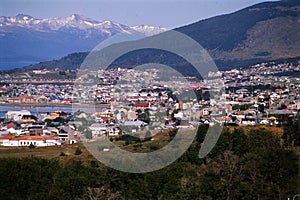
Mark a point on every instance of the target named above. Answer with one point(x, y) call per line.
point(245, 164)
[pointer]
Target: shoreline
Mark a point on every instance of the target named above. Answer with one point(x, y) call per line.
point(33, 105)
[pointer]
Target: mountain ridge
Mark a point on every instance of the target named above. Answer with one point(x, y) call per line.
point(24, 36)
point(263, 32)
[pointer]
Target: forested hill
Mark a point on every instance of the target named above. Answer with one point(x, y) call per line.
point(246, 163)
point(266, 31)
point(69, 62)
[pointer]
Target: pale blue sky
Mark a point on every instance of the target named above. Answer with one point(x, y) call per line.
point(165, 13)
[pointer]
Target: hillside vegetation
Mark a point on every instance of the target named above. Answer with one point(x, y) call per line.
point(246, 163)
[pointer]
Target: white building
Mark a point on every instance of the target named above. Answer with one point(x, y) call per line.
point(98, 129)
point(136, 123)
point(66, 134)
point(104, 129)
point(16, 115)
point(113, 131)
point(38, 141)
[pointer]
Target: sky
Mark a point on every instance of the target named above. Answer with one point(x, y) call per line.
point(164, 13)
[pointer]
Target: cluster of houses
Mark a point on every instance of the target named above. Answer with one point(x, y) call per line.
point(21, 128)
point(148, 103)
point(36, 94)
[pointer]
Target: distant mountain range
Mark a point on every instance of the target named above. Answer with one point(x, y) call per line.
point(25, 38)
point(262, 32)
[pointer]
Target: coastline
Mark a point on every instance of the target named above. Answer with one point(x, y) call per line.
point(70, 105)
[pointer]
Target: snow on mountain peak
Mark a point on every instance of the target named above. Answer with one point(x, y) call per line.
point(77, 17)
point(23, 17)
point(149, 30)
point(50, 38)
point(72, 22)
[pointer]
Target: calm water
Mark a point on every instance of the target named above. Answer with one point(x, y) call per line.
point(37, 110)
point(12, 65)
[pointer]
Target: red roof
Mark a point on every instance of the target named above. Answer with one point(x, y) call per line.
point(3, 89)
point(11, 137)
point(143, 105)
point(11, 125)
point(67, 100)
point(105, 118)
point(7, 137)
point(21, 97)
point(37, 138)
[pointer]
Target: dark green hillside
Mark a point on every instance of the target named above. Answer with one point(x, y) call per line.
point(69, 62)
point(246, 163)
point(226, 32)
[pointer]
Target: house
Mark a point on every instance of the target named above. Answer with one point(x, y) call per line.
point(282, 112)
point(242, 91)
point(75, 123)
point(205, 112)
point(185, 125)
point(113, 131)
point(178, 115)
point(52, 131)
point(29, 118)
point(142, 105)
point(11, 125)
point(131, 115)
point(223, 119)
point(137, 123)
point(35, 130)
point(3, 89)
point(16, 115)
point(98, 129)
point(6, 140)
point(23, 99)
point(74, 140)
point(67, 101)
point(3, 132)
point(65, 133)
point(58, 114)
point(297, 104)
point(42, 99)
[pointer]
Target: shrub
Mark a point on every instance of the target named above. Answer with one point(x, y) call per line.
point(62, 154)
point(78, 151)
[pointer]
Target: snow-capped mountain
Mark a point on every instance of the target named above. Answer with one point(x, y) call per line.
point(149, 30)
point(25, 38)
point(53, 24)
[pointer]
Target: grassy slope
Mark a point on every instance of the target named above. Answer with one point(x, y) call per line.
point(54, 152)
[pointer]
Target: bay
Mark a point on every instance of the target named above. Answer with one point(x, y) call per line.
point(6, 65)
point(39, 110)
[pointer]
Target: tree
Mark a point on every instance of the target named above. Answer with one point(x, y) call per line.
point(291, 134)
point(148, 136)
point(62, 154)
point(231, 172)
point(102, 193)
point(62, 73)
point(261, 108)
point(88, 134)
point(239, 142)
point(78, 151)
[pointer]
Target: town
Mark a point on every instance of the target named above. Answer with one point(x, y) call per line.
point(115, 102)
